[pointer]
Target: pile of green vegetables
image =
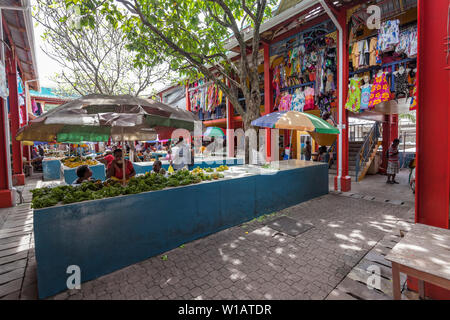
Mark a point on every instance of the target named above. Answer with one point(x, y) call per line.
point(92, 190)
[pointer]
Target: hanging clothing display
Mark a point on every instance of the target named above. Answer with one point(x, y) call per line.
point(388, 35)
point(285, 103)
point(354, 96)
point(298, 101)
point(401, 84)
point(309, 99)
point(365, 96)
point(380, 91)
point(413, 105)
point(374, 58)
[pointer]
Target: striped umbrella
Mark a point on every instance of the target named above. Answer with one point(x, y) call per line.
point(214, 132)
point(322, 132)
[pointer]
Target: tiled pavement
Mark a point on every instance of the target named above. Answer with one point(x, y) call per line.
point(17, 262)
point(251, 261)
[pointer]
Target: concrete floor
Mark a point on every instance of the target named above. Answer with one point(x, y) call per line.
point(250, 261)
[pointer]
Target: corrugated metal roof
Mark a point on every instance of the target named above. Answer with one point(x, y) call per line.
point(20, 26)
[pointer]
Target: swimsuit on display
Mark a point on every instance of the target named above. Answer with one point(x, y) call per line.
point(365, 96)
point(354, 96)
point(380, 91)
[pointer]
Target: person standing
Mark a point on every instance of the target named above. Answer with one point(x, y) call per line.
point(393, 163)
point(308, 151)
point(180, 154)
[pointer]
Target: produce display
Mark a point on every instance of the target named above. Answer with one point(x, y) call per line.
point(92, 190)
point(222, 168)
point(74, 162)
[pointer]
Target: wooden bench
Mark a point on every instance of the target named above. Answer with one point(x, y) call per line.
point(424, 253)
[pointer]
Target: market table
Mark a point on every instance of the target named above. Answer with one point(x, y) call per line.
point(212, 162)
point(51, 168)
point(424, 253)
point(70, 174)
point(101, 236)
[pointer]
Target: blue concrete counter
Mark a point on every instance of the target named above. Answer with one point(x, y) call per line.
point(98, 173)
point(51, 169)
point(105, 235)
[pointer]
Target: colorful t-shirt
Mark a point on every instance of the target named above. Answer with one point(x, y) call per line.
point(393, 154)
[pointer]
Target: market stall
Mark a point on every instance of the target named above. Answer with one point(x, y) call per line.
point(104, 235)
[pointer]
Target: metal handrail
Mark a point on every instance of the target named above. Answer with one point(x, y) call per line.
point(367, 148)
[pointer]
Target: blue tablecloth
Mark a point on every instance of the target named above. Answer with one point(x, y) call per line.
point(51, 169)
point(98, 173)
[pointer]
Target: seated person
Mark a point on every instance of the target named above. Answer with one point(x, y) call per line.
point(157, 167)
point(147, 155)
point(114, 169)
point(84, 173)
point(36, 160)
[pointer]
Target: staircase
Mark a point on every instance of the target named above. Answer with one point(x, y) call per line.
point(360, 154)
point(353, 149)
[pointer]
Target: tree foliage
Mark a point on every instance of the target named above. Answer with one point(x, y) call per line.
point(92, 53)
point(193, 36)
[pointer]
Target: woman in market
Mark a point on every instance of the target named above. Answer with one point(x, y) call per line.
point(157, 167)
point(115, 168)
point(84, 173)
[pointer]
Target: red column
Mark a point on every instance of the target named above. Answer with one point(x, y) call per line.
point(18, 175)
point(433, 140)
point(346, 180)
point(268, 96)
point(5, 192)
point(432, 173)
point(230, 129)
point(188, 100)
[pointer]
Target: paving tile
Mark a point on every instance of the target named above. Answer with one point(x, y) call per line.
point(12, 275)
point(13, 257)
point(10, 287)
point(13, 265)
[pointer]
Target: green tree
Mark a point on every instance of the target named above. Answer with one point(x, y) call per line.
point(195, 36)
point(93, 60)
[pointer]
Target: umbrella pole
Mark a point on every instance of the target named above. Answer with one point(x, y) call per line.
point(290, 145)
point(123, 164)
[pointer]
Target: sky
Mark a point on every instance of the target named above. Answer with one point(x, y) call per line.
point(47, 66)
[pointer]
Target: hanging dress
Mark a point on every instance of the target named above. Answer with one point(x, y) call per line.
point(354, 96)
point(365, 97)
point(309, 99)
point(380, 91)
point(401, 84)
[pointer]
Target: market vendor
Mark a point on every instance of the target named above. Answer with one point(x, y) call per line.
point(114, 169)
point(107, 158)
point(157, 167)
point(84, 173)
